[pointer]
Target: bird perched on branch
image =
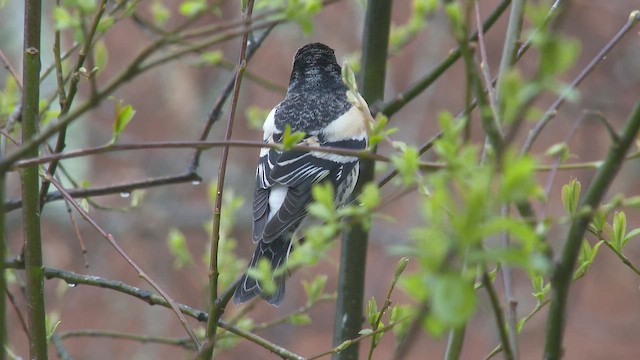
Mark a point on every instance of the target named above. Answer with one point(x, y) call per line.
point(316, 104)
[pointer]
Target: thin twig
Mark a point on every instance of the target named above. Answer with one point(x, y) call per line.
point(356, 340)
point(61, 350)
point(10, 69)
point(142, 338)
point(114, 189)
point(216, 308)
point(112, 241)
point(216, 111)
point(634, 18)
point(498, 314)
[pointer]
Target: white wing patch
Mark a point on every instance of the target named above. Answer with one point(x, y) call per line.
point(350, 125)
point(269, 127)
point(276, 198)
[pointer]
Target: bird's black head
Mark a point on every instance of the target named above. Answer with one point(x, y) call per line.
point(315, 65)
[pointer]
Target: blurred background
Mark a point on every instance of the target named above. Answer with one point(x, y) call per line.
point(172, 103)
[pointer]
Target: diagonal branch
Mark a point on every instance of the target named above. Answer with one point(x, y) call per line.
point(563, 271)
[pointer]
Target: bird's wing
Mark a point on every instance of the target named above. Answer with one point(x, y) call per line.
point(285, 178)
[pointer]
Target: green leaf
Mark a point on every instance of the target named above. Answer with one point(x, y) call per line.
point(619, 229)
point(212, 57)
point(518, 178)
point(372, 311)
point(160, 13)
point(101, 55)
point(349, 78)
point(629, 235)
point(400, 267)
point(291, 139)
point(585, 258)
point(191, 8)
point(255, 116)
point(570, 196)
point(177, 243)
point(52, 320)
point(454, 300)
point(106, 22)
point(365, 332)
point(84, 204)
point(314, 288)
point(539, 287)
point(299, 319)
point(263, 273)
point(64, 19)
point(370, 196)
point(124, 114)
point(407, 164)
point(559, 150)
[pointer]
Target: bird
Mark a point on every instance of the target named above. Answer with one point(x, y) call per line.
point(316, 104)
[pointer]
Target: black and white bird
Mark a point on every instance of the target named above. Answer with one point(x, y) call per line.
point(316, 103)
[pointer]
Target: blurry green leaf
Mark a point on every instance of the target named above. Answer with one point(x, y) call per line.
point(299, 319)
point(100, 55)
point(414, 285)
point(263, 273)
point(106, 22)
point(518, 178)
point(365, 332)
point(512, 85)
point(585, 258)
point(407, 164)
point(291, 139)
point(124, 114)
point(599, 221)
point(370, 196)
point(52, 320)
point(557, 55)
point(629, 235)
point(559, 150)
point(160, 13)
point(191, 8)
point(212, 57)
point(256, 116)
point(64, 19)
point(84, 204)
point(9, 97)
point(396, 313)
point(401, 265)
point(454, 300)
point(372, 311)
point(86, 6)
point(379, 132)
point(349, 78)
point(314, 288)
point(178, 248)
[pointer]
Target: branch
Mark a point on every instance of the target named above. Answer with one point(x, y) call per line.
point(391, 107)
point(114, 189)
point(30, 182)
point(347, 343)
point(216, 111)
point(67, 99)
point(142, 338)
point(112, 241)
point(563, 271)
point(498, 314)
point(634, 18)
point(351, 276)
point(216, 308)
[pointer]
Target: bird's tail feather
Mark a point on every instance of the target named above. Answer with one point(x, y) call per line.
point(276, 252)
